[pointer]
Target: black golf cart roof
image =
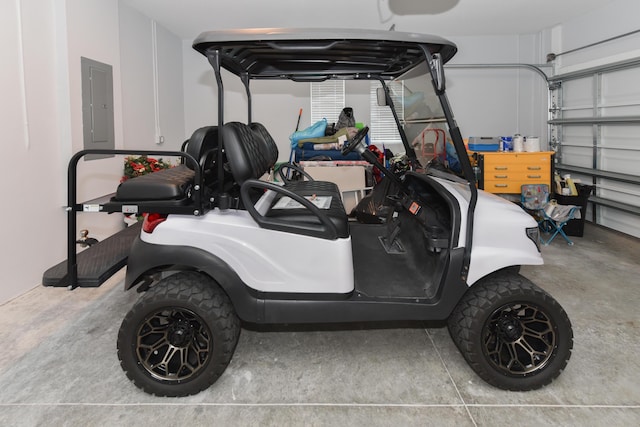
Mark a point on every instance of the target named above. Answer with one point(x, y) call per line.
point(319, 54)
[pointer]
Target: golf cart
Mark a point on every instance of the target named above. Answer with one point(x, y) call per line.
point(221, 245)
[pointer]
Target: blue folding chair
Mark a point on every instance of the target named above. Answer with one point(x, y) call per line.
point(551, 217)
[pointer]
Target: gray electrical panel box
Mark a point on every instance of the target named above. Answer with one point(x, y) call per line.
point(97, 106)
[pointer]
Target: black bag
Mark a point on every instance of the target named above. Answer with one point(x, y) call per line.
point(346, 119)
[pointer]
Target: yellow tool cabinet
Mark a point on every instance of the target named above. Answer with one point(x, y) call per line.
point(506, 172)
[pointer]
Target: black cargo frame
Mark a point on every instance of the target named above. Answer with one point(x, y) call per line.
point(197, 207)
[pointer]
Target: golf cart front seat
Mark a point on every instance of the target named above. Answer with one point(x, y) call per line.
point(174, 184)
point(250, 157)
point(271, 151)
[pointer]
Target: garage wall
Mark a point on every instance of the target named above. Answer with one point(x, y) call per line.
point(31, 217)
point(496, 102)
point(41, 113)
point(141, 128)
point(275, 104)
point(617, 18)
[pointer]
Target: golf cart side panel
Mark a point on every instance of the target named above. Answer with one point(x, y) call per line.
point(146, 259)
point(265, 260)
point(278, 308)
point(360, 308)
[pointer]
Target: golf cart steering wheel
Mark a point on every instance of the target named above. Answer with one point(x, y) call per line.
point(355, 141)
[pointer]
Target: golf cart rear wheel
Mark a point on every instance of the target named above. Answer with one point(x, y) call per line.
point(514, 335)
point(179, 337)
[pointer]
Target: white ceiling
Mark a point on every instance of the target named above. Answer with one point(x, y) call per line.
point(187, 18)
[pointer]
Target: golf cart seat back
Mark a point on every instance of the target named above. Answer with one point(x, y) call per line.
point(271, 148)
point(253, 153)
point(250, 157)
point(271, 152)
point(175, 183)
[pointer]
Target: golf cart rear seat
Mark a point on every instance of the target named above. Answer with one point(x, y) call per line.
point(250, 156)
point(174, 185)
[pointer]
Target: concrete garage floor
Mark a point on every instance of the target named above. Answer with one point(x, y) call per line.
point(58, 365)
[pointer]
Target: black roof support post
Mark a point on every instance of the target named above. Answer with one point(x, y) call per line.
point(246, 80)
point(463, 158)
point(215, 61)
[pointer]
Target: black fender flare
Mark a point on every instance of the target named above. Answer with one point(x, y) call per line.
point(147, 258)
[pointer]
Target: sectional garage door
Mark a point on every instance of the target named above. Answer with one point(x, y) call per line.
point(595, 129)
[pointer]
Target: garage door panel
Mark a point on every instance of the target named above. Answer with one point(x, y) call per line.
point(603, 146)
point(578, 135)
point(577, 94)
point(577, 156)
point(620, 88)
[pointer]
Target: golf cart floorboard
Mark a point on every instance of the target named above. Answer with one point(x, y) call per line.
point(97, 263)
point(382, 274)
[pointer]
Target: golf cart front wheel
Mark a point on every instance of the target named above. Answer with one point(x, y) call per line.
point(179, 337)
point(514, 335)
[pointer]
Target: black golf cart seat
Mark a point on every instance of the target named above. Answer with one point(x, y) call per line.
point(250, 156)
point(175, 184)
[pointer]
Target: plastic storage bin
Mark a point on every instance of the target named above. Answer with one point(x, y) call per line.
point(575, 227)
point(484, 143)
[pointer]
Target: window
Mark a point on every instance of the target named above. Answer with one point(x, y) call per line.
point(384, 131)
point(327, 100)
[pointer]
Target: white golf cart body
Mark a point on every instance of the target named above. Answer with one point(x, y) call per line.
point(274, 261)
point(275, 271)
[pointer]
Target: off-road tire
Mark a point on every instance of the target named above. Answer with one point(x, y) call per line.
point(513, 334)
point(179, 337)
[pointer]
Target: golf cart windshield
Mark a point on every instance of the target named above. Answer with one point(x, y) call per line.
point(423, 120)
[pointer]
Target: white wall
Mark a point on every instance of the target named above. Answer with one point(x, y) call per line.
point(615, 19)
point(138, 93)
point(498, 102)
point(275, 103)
point(170, 89)
point(32, 219)
point(136, 57)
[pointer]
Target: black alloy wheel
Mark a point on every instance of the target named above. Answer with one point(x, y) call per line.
point(179, 337)
point(519, 339)
point(173, 344)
